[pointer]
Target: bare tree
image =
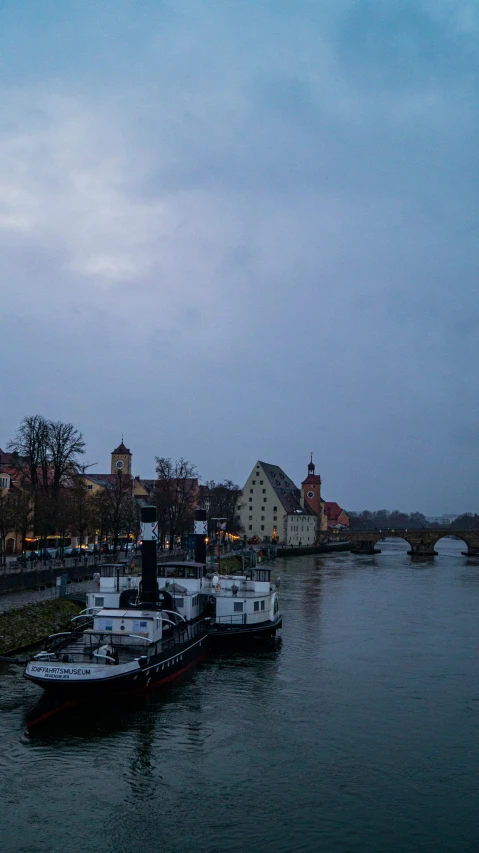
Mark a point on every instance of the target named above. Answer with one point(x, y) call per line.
point(176, 495)
point(23, 513)
point(117, 504)
point(30, 451)
point(223, 502)
point(64, 445)
point(45, 453)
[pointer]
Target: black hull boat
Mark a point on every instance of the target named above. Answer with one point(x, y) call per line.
point(235, 631)
point(142, 643)
point(68, 682)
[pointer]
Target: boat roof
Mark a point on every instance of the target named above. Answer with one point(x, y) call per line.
point(187, 563)
point(128, 614)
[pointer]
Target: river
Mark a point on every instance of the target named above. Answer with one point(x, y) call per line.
point(358, 732)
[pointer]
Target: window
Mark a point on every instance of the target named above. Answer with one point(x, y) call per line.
point(256, 605)
point(275, 509)
point(254, 482)
point(262, 518)
point(251, 491)
point(261, 482)
point(250, 518)
point(262, 605)
point(251, 500)
point(275, 517)
point(99, 600)
point(238, 607)
point(264, 500)
point(90, 488)
point(262, 527)
point(250, 527)
point(264, 491)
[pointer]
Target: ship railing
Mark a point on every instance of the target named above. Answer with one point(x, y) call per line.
point(233, 619)
point(182, 634)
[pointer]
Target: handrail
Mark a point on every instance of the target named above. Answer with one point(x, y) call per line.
point(174, 612)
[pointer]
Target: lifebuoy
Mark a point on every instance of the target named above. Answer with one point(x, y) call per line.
point(217, 587)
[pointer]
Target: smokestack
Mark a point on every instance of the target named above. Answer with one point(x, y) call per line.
point(201, 532)
point(149, 535)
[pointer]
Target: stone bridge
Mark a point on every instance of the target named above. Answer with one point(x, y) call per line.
point(421, 542)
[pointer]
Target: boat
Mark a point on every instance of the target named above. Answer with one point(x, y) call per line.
point(245, 605)
point(143, 642)
point(239, 605)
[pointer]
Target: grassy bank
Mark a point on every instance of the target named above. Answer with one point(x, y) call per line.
point(32, 623)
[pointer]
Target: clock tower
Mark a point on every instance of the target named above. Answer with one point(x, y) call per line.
point(121, 460)
point(311, 495)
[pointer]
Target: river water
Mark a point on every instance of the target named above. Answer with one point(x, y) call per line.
point(358, 732)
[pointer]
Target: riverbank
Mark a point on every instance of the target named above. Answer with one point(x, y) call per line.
point(324, 548)
point(31, 624)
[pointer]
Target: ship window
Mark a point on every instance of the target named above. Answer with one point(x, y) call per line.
point(179, 601)
point(99, 600)
point(238, 606)
point(256, 605)
point(262, 605)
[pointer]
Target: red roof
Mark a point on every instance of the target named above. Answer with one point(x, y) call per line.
point(333, 510)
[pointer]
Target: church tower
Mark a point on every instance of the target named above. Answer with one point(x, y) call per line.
point(121, 460)
point(311, 495)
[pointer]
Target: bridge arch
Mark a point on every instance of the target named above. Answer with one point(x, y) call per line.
point(421, 541)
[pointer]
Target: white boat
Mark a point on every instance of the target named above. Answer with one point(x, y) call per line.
point(237, 604)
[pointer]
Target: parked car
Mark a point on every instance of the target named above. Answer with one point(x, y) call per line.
point(46, 553)
point(29, 557)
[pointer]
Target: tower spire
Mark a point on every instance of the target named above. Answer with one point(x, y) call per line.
point(311, 466)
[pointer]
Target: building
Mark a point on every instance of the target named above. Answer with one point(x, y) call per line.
point(311, 497)
point(271, 508)
point(337, 518)
point(121, 464)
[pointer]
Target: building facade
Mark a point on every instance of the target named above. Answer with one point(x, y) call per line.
point(271, 508)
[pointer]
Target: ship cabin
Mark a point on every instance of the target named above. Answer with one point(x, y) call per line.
point(185, 583)
point(248, 599)
point(183, 580)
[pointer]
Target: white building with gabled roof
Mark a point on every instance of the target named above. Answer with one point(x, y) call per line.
point(272, 508)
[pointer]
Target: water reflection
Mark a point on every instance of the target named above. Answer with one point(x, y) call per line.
point(355, 733)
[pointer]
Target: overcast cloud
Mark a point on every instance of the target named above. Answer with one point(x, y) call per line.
point(247, 230)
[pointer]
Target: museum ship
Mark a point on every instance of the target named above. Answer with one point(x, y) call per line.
point(142, 643)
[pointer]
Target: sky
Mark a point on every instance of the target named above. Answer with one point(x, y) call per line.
point(234, 230)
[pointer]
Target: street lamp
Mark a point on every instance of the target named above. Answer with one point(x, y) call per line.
point(219, 527)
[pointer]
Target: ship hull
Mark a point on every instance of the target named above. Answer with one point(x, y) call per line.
point(70, 685)
point(260, 630)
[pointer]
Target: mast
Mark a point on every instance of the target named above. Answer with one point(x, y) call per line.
point(149, 529)
point(201, 531)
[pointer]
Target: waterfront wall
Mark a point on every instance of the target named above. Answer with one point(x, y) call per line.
point(325, 548)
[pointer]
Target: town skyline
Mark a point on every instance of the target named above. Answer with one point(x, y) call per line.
point(103, 466)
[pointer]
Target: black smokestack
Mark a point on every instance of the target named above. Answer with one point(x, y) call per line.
point(201, 530)
point(149, 535)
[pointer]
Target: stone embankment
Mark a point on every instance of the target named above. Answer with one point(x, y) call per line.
point(324, 548)
point(31, 624)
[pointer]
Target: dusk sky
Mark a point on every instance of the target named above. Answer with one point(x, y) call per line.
point(247, 229)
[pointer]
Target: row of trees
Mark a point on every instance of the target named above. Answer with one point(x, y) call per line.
point(49, 496)
point(396, 519)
